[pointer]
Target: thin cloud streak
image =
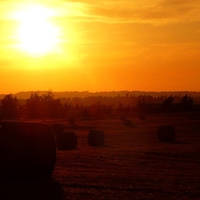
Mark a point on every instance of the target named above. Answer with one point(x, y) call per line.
point(157, 12)
point(160, 12)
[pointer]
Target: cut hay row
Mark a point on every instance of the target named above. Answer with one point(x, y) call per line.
point(166, 133)
point(27, 150)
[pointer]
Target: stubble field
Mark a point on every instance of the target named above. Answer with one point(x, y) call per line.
point(133, 164)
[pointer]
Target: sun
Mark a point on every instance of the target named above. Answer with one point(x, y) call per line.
point(37, 34)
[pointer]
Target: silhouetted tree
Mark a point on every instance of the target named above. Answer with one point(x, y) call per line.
point(120, 107)
point(107, 109)
point(167, 103)
point(44, 106)
point(85, 112)
point(34, 106)
point(139, 106)
point(187, 103)
point(142, 106)
point(56, 108)
point(9, 107)
point(49, 107)
point(66, 108)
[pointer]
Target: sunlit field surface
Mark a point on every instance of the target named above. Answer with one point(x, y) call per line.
point(133, 164)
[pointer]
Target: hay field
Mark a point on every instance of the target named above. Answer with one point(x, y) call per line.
point(133, 164)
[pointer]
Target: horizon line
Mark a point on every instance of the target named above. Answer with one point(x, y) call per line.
point(86, 91)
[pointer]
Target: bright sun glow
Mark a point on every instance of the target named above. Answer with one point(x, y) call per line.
point(37, 35)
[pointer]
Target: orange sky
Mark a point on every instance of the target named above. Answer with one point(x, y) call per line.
point(102, 46)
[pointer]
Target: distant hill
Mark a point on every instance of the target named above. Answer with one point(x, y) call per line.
point(83, 94)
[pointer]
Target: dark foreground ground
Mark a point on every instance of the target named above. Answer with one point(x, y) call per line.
point(133, 164)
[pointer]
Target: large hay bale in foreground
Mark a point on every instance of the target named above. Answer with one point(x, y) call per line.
point(66, 140)
point(27, 150)
point(166, 133)
point(96, 138)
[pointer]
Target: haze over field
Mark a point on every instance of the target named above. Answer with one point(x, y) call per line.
point(99, 46)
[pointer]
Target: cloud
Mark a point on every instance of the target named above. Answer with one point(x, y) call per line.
point(178, 2)
point(162, 12)
point(121, 11)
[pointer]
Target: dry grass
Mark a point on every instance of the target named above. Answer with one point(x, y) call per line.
point(133, 164)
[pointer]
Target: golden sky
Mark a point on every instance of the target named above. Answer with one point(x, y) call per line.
point(99, 45)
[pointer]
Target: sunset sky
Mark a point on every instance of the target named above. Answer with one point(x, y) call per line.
point(98, 45)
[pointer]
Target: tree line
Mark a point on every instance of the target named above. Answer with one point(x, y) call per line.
point(47, 106)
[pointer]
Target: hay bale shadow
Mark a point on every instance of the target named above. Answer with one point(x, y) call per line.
point(180, 142)
point(31, 189)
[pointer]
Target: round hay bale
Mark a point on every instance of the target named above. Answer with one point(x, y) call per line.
point(128, 122)
point(27, 150)
point(166, 133)
point(58, 128)
point(66, 140)
point(96, 138)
